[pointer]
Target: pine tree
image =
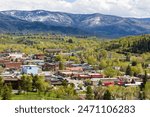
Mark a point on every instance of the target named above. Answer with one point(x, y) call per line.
point(107, 95)
point(129, 71)
point(19, 90)
point(6, 93)
point(99, 83)
point(89, 93)
point(142, 87)
point(65, 83)
point(1, 84)
point(61, 66)
point(145, 78)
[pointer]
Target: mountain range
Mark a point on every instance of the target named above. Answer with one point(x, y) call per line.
point(72, 24)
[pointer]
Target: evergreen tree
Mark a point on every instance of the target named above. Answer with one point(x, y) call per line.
point(89, 93)
point(70, 41)
point(88, 82)
point(145, 78)
point(61, 66)
point(134, 63)
point(34, 87)
point(65, 83)
point(6, 93)
point(1, 84)
point(142, 87)
point(19, 90)
point(99, 83)
point(107, 95)
point(129, 71)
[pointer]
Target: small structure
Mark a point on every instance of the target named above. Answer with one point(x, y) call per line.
point(148, 66)
point(96, 75)
point(84, 76)
point(13, 81)
point(3, 55)
point(50, 67)
point(89, 76)
point(16, 55)
point(66, 73)
point(34, 62)
point(117, 67)
point(76, 69)
point(30, 69)
point(39, 56)
point(108, 83)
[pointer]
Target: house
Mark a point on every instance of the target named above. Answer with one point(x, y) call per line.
point(50, 67)
point(3, 61)
point(16, 55)
point(148, 66)
point(30, 69)
point(117, 68)
point(89, 76)
point(77, 69)
point(69, 63)
point(34, 62)
point(66, 73)
point(15, 82)
point(39, 56)
point(110, 83)
point(12, 65)
point(85, 66)
point(3, 54)
point(84, 76)
point(10, 78)
point(96, 75)
point(133, 84)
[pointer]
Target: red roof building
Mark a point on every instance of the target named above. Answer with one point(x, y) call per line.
point(96, 75)
point(13, 65)
point(2, 61)
point(84, 76)
point(108, 83)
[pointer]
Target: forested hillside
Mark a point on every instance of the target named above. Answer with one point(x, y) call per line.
point(87, 49)
point(133, 44)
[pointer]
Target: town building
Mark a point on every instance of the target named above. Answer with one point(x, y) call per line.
point(30, 69)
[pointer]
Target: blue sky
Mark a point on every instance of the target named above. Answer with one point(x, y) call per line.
point(70, 0)
point(125, 8)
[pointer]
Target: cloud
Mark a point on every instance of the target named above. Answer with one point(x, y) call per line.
point(126, 8)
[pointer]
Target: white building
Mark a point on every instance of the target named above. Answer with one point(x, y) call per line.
point(16, 55)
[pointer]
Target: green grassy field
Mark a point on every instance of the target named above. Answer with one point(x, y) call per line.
point(32, 96)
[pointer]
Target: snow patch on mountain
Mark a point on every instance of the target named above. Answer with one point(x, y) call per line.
point(93, 21)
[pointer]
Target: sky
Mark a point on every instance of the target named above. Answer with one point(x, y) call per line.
point(125, 8)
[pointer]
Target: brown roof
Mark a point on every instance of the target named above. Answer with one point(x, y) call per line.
point(10, 79)
point(39, 55)
point(15, 65)
point(2, 61)
point(74, 68)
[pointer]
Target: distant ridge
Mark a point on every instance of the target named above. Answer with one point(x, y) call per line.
point(72, 24)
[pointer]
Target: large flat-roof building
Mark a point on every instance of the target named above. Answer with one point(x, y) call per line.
point(30, 69)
